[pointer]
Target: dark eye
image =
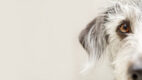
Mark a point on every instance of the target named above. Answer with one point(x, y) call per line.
point(124, 28)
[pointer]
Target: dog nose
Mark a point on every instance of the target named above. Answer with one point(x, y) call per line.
point(135, 72)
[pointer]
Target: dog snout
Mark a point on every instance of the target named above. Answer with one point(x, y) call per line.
point(135, 72)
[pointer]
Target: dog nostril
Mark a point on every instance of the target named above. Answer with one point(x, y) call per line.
point(135, 72)
point(134, 76)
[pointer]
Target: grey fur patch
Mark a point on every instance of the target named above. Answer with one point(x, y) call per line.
point(107, 37)
point(93, 38)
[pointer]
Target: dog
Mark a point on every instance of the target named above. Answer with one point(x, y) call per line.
point(116, 33)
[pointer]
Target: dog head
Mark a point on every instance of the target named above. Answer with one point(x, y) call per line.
point(117, 33)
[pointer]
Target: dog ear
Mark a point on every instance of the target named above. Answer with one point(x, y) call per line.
point(94, 38)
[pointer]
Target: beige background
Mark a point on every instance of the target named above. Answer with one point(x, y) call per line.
point(39, 38)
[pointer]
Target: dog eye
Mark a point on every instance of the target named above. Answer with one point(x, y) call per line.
point(124, 28)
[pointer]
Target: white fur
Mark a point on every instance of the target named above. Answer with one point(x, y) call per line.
point(120, 52)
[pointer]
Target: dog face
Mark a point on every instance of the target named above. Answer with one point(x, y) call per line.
point(117, 33)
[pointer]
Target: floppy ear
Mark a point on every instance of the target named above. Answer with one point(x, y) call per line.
point(94, 38)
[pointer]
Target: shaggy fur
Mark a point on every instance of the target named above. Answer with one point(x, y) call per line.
point(100, 37)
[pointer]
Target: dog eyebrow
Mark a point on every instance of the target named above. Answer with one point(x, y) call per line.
point(113, 10)
point(110, 10)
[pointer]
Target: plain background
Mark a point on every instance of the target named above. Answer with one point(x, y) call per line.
point(39, 38)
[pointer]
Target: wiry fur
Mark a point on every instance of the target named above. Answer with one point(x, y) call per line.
point(100, 37)
point(89, 39)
